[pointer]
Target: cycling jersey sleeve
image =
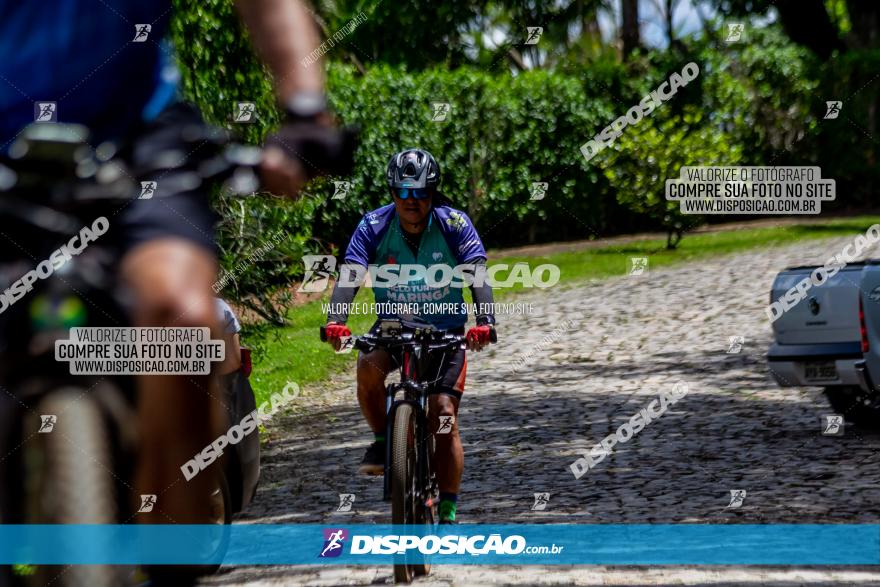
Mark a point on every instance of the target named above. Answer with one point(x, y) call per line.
point(460, 234)
point(470, 248)
point(462, 238)
point(482, 295)
point(362, 245)
point(360, 251)
point(340, 302)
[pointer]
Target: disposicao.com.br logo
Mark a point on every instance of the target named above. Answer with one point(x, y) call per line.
point(431, 544)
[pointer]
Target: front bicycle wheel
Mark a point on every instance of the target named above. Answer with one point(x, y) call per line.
point(426, 506)
point(403, 482)
point(69, 479)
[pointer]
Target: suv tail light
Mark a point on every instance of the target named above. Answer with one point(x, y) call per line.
point(246, 364)
point(862, 329)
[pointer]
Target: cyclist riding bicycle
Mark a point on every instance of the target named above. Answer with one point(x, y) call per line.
point(108, 68)
point(418, 228)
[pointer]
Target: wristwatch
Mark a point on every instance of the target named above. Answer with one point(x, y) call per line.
point(305, 105)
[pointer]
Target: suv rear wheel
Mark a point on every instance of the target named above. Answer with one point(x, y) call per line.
point(855, 405)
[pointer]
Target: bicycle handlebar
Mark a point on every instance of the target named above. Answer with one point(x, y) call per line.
point(56, 159)
point(433, 340)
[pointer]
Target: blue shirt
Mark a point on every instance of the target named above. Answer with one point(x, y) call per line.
point(81, 55)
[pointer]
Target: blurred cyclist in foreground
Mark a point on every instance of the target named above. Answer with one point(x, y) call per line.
point(105, 65)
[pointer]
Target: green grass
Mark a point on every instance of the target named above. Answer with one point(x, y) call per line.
point(295, 353)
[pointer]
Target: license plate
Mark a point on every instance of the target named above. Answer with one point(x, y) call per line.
point(825, 371)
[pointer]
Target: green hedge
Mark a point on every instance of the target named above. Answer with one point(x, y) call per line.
point(501, 134)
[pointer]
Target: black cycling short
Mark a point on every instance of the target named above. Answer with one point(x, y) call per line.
point(181, 214)
point(445, 372)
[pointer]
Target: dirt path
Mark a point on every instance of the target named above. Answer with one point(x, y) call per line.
point(632, 337)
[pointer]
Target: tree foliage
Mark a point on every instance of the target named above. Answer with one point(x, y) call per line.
point(501, 135)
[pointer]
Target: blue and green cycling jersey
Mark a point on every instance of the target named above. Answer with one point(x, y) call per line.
point(449, 239)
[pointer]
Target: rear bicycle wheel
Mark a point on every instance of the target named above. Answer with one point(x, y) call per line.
point(403, 482)
point(68, 479)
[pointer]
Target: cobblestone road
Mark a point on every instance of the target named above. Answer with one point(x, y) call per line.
point(632, 337)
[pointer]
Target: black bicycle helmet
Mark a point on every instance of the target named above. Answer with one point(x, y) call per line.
point(413, 168)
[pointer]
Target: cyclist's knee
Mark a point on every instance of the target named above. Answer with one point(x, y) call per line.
point(171, 281)
point(178, 311)
point(443, 406)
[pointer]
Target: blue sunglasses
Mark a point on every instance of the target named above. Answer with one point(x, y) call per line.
point(416, 193)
